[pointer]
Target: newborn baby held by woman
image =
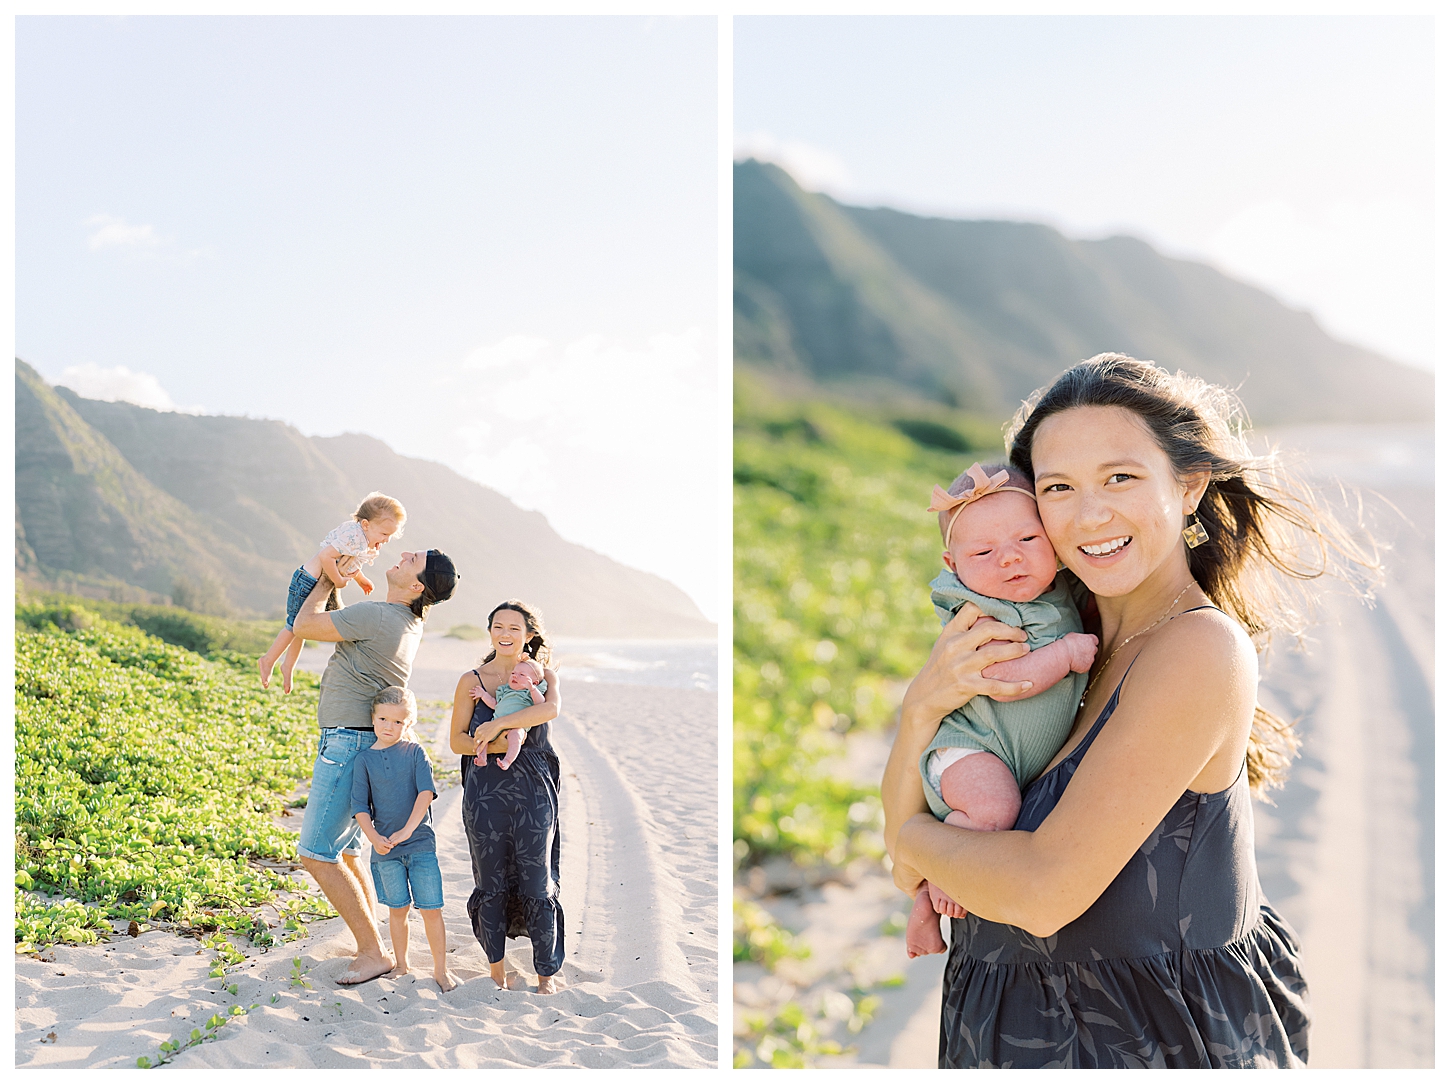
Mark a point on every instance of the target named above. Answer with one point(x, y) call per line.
point(998, 557)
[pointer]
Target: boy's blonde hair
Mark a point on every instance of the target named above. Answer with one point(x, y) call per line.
point(377, 506)
point(396, 694)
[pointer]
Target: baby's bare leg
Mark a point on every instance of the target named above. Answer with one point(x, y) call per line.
point(516, 742)
point(289, 662)
point(1046, 666)
point(269, 660)
point(398, 927)
point(982, 793)
point(923, 928)
point(438, 945)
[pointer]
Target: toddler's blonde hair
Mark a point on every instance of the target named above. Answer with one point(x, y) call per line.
point(380, 506)
point(396, 694)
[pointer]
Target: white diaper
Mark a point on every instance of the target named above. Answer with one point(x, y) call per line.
point(942, 759)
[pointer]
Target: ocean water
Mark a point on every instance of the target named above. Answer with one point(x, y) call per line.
point(670, 664)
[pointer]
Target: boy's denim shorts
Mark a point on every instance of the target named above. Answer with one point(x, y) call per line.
point(297, 592)
point(393, 877)
point(328, 827)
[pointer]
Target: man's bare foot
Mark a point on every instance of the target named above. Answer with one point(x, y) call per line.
point(496, 972)
point(546, 984)
point(923, 928)
point(445, 979)
point(365, 969)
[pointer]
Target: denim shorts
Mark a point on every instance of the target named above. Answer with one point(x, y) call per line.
point(297, 592)
point(392, 877)
point(328, 828)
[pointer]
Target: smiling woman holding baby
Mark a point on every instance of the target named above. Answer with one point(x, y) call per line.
point(501, 714)
point(1120, 923)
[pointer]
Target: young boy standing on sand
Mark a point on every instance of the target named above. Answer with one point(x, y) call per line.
point(392, 789)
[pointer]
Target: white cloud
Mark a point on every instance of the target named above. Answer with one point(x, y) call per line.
point(140, 242)
point(513, 350)
point(1368, 263)
point(120, 384)
point(615, 442)
point(112, 232)
point(814, 168)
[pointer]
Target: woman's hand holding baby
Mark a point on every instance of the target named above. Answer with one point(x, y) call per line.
point(968, 644)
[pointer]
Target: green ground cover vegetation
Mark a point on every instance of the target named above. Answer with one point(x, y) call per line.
point(149, 765)
point(833, 552)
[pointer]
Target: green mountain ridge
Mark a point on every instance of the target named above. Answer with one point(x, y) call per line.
point(114, 498)
point(975, 315)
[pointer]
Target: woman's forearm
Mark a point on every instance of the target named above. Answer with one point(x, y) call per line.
point(523, 719)
point(901, 793)
point(998, 876)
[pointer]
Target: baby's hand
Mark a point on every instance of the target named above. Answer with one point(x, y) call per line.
point(1082, 650)
point(365, 583)
point(477, 693)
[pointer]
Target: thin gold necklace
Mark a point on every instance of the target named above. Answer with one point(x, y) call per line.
point(1130, 639)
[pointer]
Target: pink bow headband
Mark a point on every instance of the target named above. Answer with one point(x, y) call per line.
point(982, 486)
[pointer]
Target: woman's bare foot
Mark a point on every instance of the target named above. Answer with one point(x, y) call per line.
point(923, 928)
point(495, 972)
point(365, 969)
point(445, 979)
point(546, 984)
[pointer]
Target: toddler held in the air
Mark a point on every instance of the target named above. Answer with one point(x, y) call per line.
point(525, 686)
point(973, 771)
point(344, 551)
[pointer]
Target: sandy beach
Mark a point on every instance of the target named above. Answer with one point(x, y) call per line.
point(1345, 853)
point(640, 983)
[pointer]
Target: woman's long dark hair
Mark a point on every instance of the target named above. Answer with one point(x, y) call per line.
point(536, 646)
point(1268, 533)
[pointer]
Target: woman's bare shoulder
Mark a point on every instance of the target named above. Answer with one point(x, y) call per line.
point(1203, 656)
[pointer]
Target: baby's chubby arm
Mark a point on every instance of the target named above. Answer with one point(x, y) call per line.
point(1046, 666)
point(420, 810)
point(534, 694)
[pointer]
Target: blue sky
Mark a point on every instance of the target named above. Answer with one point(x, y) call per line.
point(489, 241)
point(1295, 152)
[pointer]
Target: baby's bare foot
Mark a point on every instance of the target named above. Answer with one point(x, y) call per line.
point(445, 979)
point(923, 928)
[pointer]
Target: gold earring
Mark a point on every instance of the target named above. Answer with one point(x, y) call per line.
point(1194, 534)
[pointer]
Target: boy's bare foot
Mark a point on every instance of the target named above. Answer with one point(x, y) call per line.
point(286, 678)
point(546, 984)
point(495, 972)
point(365, 969)
point(445, 979)
point(399, 970)
point(265, 669)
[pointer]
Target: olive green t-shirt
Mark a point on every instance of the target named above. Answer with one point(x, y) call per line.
point(377, 649)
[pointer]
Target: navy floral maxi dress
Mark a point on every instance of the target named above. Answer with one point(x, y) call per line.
point(511, 819)
point(1180, 963)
